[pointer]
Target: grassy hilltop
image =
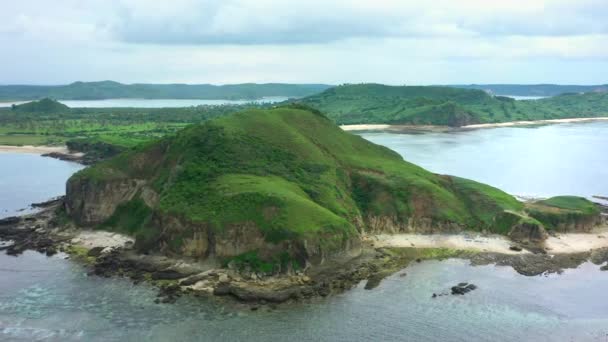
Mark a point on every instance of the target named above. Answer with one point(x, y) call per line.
point(286, 179)
point(447, 106)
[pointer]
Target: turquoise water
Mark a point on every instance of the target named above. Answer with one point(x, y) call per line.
point(154, 103)
point(51, 299)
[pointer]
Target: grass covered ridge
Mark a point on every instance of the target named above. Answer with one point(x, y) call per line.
point(564, 212)
point(296, 176)
point(446, 106)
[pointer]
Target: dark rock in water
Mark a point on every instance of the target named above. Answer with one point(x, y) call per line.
point(434, 295)
point(463, 288)
point(53, 201)
point(515, 248)
point(403, 274)
point(604, 268)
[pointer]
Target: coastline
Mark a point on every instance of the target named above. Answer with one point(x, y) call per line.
point(430, 128)
point(109, 254)
point(41, 149)
point(561, 243)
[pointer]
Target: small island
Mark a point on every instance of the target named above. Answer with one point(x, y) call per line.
point(279, 204)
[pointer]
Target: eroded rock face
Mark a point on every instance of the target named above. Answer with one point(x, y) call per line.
point(240, 238)
point(528, 232)
point(89, 202)
point(388, 225)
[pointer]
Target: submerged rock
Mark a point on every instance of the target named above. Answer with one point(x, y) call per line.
point(463, 288)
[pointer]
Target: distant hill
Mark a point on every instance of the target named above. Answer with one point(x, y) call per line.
point(447, 106)
point(110, 89)
point(534, 89)
point(45, 105)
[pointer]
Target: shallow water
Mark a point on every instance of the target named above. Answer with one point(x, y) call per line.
point(52, 299)
point(540, 161)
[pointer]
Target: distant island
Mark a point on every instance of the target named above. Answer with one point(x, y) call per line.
point(446, 106)
point(112, 90)
point(543, 90)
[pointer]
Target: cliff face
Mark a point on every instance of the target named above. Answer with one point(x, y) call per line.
point(91, 203)
point(284, 184)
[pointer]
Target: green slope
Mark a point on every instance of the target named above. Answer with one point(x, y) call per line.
point(289, 172)
point(432, 105)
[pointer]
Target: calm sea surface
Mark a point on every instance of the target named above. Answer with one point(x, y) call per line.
point(52, 299)
point(153, 103)
point(565, 159)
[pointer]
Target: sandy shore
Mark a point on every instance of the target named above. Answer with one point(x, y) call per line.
point(562, 243)
point(34, 149)
point(395, 128)
point(536, 122)
point(401, 128)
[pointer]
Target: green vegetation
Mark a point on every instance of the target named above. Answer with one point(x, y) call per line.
point(251, 260)
point(113, 90)
point(45, 105)
point(48, 122)
point(375, 103)
point(295, 176)
point(561, 212)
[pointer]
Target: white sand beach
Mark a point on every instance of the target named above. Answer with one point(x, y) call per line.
point(397, 128)
point(561, 243)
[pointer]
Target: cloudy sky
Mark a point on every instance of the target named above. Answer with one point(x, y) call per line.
point(310, 41)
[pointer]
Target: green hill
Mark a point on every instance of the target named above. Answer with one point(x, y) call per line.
point(431, 105)
point(45, 106)
point(111, 89)
point(285, 181)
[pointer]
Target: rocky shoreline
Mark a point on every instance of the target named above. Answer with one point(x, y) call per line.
point(48, 232)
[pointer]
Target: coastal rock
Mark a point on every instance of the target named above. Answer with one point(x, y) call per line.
point(90, 202)
point(463, 288)
point(528, 231)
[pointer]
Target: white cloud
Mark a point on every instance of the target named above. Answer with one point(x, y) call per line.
point(441, 41)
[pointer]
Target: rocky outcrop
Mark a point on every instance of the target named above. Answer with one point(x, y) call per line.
point(389, 225)
point(90, 202)
point(528, 231)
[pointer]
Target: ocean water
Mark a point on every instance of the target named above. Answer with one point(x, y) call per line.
point(52, 299)
point(540, 161)
point(30, 178)
point(154, 103)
